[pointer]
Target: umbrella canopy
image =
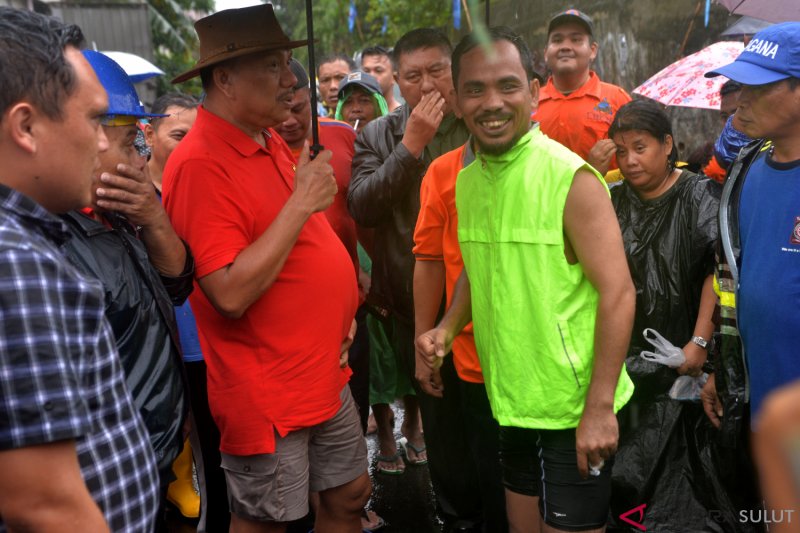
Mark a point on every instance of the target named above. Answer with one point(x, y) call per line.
point(769, 10)
point(745, 26)
point(682, 83)
point(137, 68)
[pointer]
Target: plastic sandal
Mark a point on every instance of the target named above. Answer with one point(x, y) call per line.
point(390, 459)
point(405, 445)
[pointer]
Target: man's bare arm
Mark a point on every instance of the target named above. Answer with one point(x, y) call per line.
point(429, 283)
point(433, 345)
point(41, 489)
point(234, 288)
point(593, 235)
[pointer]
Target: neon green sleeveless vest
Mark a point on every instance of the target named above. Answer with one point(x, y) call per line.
point(533, 313)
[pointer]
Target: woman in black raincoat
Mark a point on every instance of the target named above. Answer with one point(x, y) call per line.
point(668, 219)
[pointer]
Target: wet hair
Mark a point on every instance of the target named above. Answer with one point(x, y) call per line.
point(419, 39)
point(207, 73)
point(645, 115)
point(377, 50)
point(698, 159)
point(300, 73)
point(729, 87)
point(206, 77)
point(33, 66)
point(332, 58)
point(165, 101)
point(496, 34)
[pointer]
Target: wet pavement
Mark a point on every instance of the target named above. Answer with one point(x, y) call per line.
point(405, 501)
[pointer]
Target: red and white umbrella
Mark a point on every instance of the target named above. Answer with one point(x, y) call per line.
point(683, 84)
point(769, 10)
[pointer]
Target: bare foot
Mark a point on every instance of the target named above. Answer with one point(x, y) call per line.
point(372, 426)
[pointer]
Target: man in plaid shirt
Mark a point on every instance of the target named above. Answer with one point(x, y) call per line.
point(74, 453)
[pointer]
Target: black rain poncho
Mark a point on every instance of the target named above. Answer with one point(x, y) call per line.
point(667, 456)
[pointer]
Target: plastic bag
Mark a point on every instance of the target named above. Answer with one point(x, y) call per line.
point(687, 388)
point(666, 353)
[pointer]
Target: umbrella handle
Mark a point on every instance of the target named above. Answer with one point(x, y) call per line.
point(316, 147)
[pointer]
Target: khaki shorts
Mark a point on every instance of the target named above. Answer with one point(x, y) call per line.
point(273, 487)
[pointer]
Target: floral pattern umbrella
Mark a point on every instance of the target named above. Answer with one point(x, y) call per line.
point(683, 84)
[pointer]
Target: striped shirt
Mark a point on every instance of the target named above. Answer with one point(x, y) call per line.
point(60, 374)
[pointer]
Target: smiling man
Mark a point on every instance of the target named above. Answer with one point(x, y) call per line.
point(575, 107)
point(278, 290)
point(546, 284)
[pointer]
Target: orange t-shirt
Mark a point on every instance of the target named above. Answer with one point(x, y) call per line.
point(275, 369)
point(436, 239)
point(580, 119)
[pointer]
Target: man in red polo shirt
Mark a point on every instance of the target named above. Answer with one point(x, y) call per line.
point(575, 107)
point(277, 288)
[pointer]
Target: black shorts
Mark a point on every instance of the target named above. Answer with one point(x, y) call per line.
point(543, 463)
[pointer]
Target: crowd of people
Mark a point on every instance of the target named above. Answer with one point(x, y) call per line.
point(499, 250)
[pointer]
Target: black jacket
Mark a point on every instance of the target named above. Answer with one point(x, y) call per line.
point(384, 194)
point(138, 303)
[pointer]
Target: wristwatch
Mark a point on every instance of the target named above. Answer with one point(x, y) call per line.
point(700, 341)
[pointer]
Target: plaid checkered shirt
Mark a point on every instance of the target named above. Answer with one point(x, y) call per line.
point(60, 374)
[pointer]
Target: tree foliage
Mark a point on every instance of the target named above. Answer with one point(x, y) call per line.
point(174, 38)
point(378, 22)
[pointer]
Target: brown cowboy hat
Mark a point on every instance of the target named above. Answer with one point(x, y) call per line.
point(237, 32)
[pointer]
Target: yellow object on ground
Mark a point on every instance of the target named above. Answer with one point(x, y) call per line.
point(181, 492)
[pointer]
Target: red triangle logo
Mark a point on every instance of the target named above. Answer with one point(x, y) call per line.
point(639, 510)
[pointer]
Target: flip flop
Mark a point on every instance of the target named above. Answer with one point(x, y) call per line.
point(365, 521)
point(405, 445)
point(390, 459)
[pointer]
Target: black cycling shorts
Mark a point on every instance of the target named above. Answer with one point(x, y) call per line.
point(543, 463)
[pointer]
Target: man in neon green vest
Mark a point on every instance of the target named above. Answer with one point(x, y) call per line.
point(547, 286)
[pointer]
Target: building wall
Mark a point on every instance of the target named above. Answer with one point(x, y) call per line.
point(637, 39)
point(107, 26)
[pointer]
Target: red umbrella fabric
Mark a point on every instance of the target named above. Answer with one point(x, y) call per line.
point(683, 84)
point(769, 10)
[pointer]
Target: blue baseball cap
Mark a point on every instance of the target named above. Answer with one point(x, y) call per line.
point(772, 55)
